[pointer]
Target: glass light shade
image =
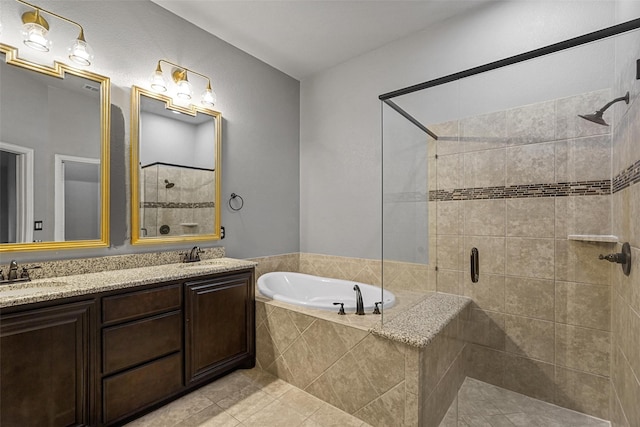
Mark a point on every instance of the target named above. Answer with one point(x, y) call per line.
point(185, 91)
point(35, 36)
point(80, 52)
point(208, 98)
point(158, 83)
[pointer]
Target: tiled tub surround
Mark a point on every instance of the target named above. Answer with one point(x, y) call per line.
point(515, 184)
point(398, 276)
point(406, 375)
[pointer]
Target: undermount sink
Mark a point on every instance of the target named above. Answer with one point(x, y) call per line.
point(205, 264)
point(29, 288)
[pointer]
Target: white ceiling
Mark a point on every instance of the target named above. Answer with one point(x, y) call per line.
point(302, 37)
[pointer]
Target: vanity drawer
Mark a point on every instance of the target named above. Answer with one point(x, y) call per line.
point(147, 302)
point(133, 390)
point(140, 341)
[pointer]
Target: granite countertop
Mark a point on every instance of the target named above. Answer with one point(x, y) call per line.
point(81, 284)
point(420, 324)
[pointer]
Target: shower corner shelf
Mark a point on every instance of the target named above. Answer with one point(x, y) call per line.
point(602, 238)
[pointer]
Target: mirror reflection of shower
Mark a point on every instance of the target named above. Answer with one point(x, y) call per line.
point(597, 116)
point(168, 184)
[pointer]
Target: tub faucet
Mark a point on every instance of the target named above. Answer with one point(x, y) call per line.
point(359, 303)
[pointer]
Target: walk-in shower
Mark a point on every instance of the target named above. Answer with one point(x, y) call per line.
point(498, 159)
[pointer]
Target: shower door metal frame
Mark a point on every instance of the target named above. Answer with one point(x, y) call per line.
point(614, 30)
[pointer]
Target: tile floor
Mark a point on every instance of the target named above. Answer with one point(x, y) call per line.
point(256, 398)
point(483, 405)
point(248, 398)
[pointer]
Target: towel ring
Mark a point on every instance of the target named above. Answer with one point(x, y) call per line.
point(233, 197)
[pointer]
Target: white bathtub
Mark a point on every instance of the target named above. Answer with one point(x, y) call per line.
point(320, 292)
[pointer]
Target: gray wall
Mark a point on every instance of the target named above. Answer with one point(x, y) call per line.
point(259, 104)
point(340, 150)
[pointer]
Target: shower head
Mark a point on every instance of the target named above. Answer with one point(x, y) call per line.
point(168, 184)
point(597, 116)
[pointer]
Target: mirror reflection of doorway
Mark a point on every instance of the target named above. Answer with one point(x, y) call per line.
point(16, 193)
point(77, 198)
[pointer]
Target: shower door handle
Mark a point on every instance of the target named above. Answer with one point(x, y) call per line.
point(475, 265)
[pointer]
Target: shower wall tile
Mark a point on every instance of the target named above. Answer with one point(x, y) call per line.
point(616, 414)
point(449, 252)
point(530, 377)
point(583, 349)
point(449, 217)
point(448, 172)
point(486, 364)
point(484, 217)
point(569, 125)
point(530, 164)
point(583, 215)
point(485, 328)
point(488, 292)
point(449, 281)
point(577, 261)
point(484, 132)
point(484, 168)
point(533, 217)
point(584, 159)
point(583, 392)
point(530, 337)
point(622, 151)
point(530, 257)
point(530, 297)
point(626, 386)
point(585, 305)
point(448, 137)
point(531, 123)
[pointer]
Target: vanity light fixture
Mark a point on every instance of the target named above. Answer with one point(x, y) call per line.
point(35, 30)
point(184, 88)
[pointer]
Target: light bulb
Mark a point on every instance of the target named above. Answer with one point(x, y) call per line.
point(35, 36)
point(208, 97)
point(80, 52)
point(158, 83)
point(185, 91)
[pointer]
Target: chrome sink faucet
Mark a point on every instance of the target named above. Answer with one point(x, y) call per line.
point(359, 303)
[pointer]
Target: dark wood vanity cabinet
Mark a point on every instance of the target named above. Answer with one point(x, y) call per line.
point(105, 359)
point(45, 366)
point(141, 342)
point(219, 319)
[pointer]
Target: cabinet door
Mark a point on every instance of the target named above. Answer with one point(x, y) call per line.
point(44, 366)
point(218, 325)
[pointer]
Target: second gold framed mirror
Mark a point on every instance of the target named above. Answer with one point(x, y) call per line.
point(175, 170)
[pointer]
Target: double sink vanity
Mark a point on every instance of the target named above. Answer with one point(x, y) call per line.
point(102, 348)
point(85, 345)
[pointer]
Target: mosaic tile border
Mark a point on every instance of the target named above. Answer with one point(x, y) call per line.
point(177, 205)
point(559, 189)
point(627, 177)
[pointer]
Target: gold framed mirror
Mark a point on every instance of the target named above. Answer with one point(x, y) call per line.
point(54, 150)
point(175, 170)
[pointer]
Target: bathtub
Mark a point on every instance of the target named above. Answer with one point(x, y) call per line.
point(320, 292)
